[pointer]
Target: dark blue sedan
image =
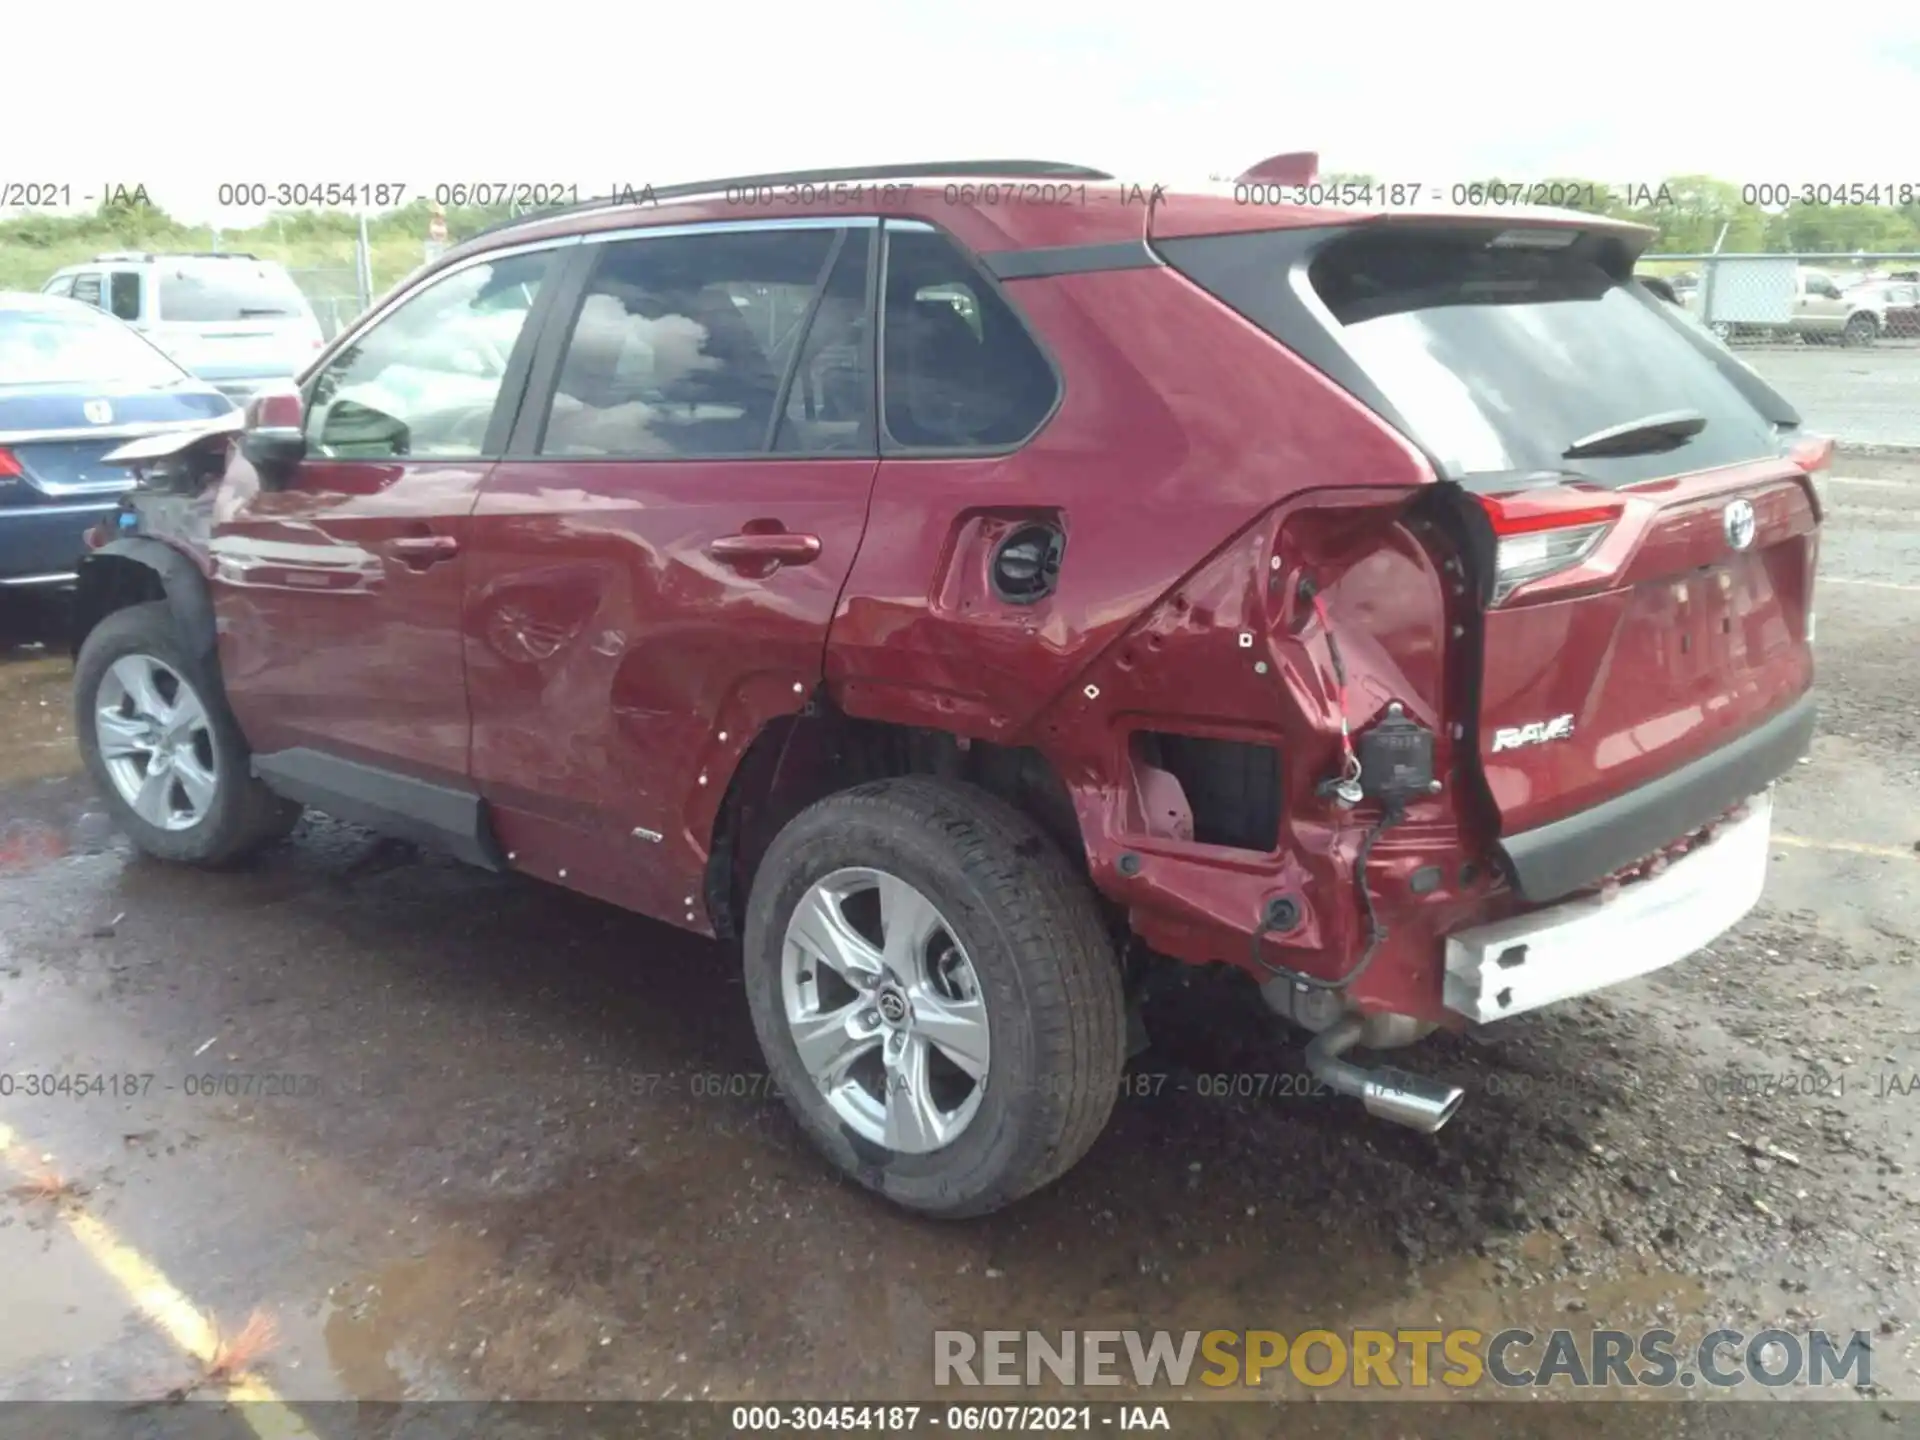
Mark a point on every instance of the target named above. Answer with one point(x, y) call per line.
point(75, 383)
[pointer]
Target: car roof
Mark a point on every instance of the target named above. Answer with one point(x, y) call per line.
point(148, 257)
point(989, 207)
point(57, 304)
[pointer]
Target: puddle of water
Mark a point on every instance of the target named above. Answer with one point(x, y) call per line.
point(387, 1335)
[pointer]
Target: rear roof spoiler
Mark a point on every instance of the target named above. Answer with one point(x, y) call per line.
point(1296, 167)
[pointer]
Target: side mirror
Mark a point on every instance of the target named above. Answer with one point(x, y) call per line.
point(274, 440)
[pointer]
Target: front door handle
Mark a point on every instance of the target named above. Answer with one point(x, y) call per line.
point(769, 548)
point(420, 551)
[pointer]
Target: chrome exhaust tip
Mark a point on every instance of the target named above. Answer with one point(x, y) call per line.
point(1387, 1093)
point(1410, 1100)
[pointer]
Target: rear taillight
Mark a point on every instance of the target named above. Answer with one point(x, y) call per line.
point(1814, 455)
point(11, 472)
point(1540, 533)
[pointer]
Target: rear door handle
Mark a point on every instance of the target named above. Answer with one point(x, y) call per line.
point(420, 551)
point(780, 547)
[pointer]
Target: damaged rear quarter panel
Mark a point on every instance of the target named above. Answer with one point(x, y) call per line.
point(1172, 466)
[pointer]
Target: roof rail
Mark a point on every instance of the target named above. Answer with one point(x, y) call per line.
point(176, 255)
point(912, 170)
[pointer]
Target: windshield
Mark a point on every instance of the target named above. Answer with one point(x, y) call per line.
point(1501, 358)
point(223, 291)
point(77, 345)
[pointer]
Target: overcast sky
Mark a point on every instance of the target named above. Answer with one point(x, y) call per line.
point(196, 92)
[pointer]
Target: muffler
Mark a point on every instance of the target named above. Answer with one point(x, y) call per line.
point(1388, 1093)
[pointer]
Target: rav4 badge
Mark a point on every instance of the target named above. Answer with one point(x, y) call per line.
point(1512, 737)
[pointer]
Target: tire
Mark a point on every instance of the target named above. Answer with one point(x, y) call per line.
point(1030, 938)
point(226, 814)
point(1862, 330)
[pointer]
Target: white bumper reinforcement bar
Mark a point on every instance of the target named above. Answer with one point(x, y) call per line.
point(1520, 964)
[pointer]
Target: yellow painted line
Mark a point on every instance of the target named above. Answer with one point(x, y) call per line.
point(1846, 847)
point(163, 1303)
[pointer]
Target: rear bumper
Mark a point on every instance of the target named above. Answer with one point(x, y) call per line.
point(1520, 964)
point(1553, 861)
point(42, 544)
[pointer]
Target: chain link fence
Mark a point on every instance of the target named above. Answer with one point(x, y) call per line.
point(334, 293)
point(1837, 334)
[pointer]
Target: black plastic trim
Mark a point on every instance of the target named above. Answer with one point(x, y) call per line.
point(180, 580)
point(784, 393)
point(439, 816)
point(513, 384)
point(564, 294)
point(1050, 260)
point(1556, 860)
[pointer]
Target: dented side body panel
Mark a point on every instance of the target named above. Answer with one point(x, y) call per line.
point(1197, 486)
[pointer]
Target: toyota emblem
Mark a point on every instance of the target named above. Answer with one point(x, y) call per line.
point(1740, 524)
point(98, 411)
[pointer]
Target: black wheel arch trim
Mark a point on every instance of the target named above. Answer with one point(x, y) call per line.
point(185, 588)
point(442, 817)
point(1553, 861)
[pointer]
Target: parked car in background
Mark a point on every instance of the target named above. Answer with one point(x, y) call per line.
point(74, 384)
point(234, 320)
point(1895, 305)
point(1824, 312)
point(1434, 670)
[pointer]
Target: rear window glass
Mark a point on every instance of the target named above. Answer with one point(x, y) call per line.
point(220, 291)
point(48, 347)
point(1500, 359)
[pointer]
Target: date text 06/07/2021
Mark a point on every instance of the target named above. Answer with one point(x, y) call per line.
point(893, 1419)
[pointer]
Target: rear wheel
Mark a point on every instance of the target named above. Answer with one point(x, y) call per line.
point(1862, 329)
point(157, 736)
point(935, 994)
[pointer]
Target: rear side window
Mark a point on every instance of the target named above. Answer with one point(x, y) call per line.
point(225, 292)
point(87, 288)
point(959, 371)
point(1501, 358)
point(123, 294)
point(681, 343)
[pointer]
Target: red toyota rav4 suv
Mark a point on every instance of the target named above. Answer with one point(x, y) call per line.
point(960, 584)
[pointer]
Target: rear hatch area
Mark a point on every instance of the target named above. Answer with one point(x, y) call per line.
point(1642, 529)
point(232, 319)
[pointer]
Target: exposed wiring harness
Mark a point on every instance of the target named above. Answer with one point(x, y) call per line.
point(1376, 932)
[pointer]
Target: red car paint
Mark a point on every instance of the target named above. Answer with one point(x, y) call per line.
point(563, 636)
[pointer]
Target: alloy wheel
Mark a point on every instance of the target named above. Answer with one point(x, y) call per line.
point(156, 740)
point(885, 1010)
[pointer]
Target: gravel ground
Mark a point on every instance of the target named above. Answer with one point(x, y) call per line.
point(1871, 396)
point(528, 1152)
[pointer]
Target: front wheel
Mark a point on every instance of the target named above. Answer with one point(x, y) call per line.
point(1861, 330)
point(935, 994)
point(163, 748)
